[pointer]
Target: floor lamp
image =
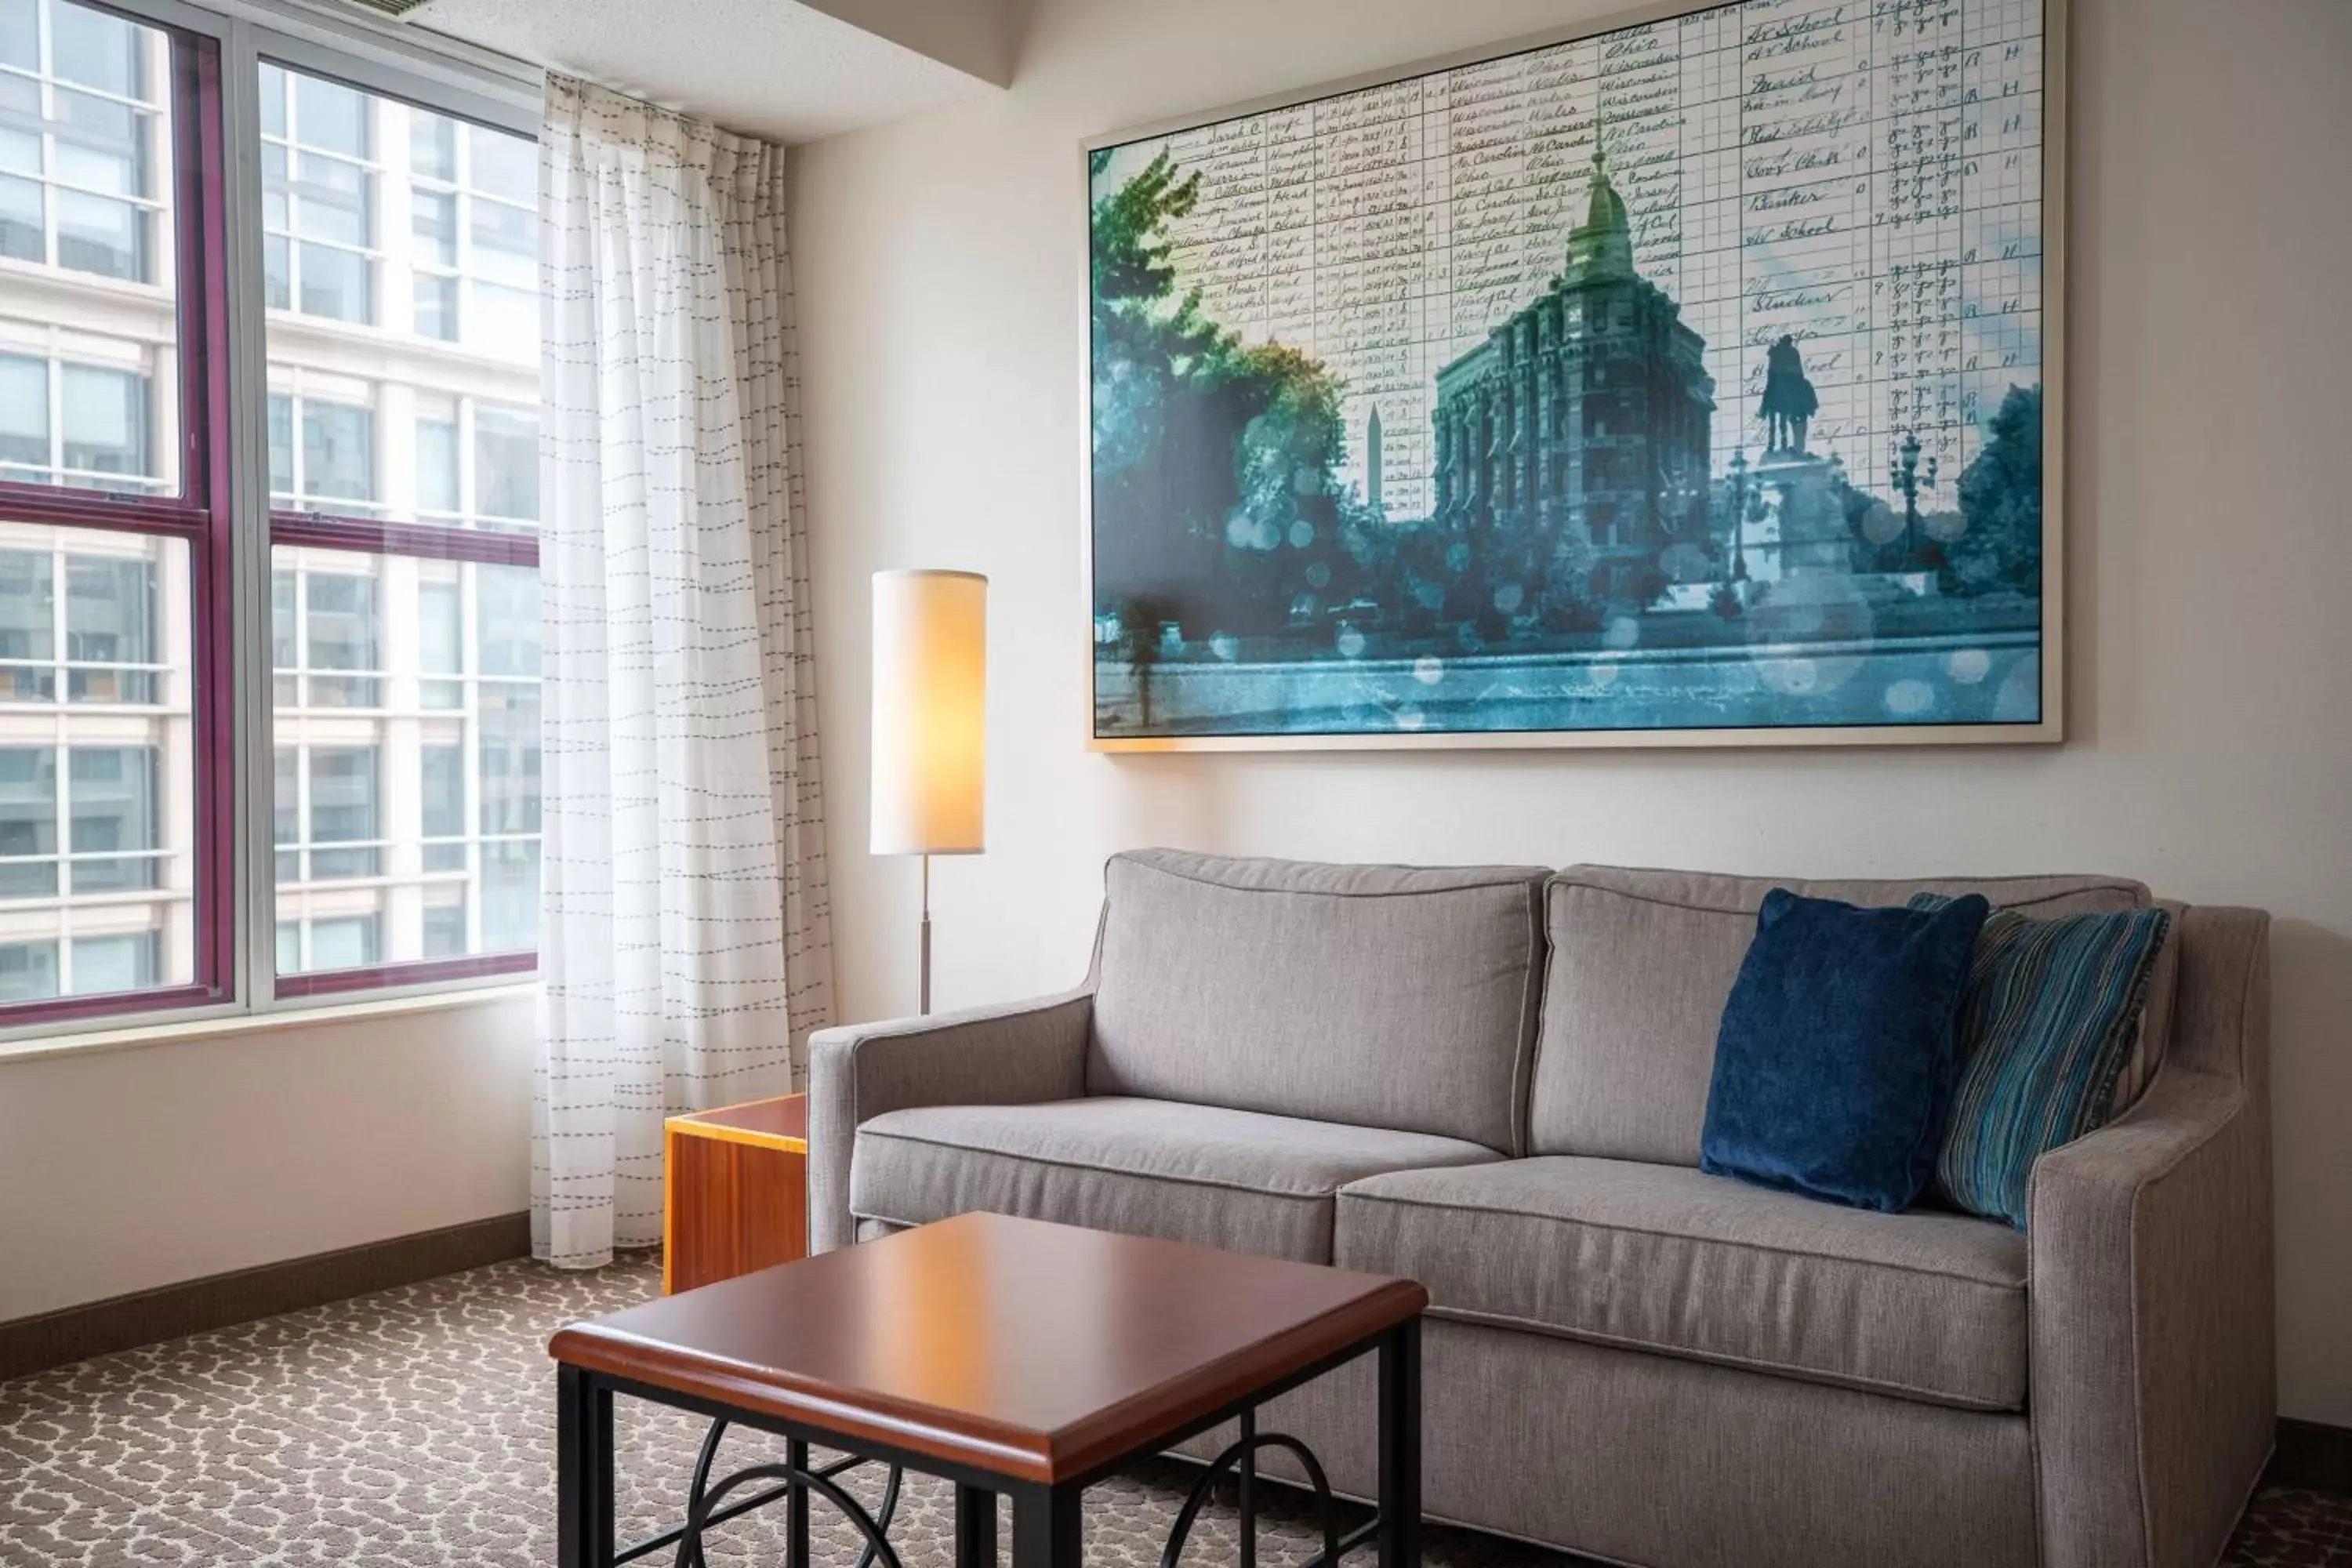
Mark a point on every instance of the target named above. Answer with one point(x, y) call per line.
point(930, 721)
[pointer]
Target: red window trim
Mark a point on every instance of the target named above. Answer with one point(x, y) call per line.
point(200, 515)
point(327, 531)
point(420, 972)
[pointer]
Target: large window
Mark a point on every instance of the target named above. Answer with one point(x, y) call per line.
point(391, 242)
point(404, 592)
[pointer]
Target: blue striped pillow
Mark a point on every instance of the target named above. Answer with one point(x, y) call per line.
point(2046, 1024)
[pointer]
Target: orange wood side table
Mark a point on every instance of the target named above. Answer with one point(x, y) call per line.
point(734, 1191)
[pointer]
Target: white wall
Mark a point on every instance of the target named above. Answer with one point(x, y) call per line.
point(123, 1169)
point(940, 273)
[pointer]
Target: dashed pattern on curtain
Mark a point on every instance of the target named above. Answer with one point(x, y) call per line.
point(685, 947)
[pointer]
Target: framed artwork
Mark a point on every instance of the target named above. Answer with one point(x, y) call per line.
point(1693, 380)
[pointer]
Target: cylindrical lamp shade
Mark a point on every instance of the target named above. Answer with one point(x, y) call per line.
point(931, 720)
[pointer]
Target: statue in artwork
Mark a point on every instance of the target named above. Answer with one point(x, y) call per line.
point(1790, 401)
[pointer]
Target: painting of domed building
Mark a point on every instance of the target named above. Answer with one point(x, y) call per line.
point(1584, 416)
point(1679, 384)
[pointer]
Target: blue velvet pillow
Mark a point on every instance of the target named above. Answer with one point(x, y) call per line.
point(1835, 1066)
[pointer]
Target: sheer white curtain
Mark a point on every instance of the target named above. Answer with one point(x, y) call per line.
point(685, 948)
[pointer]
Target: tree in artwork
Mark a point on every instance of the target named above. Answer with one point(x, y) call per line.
point(2000, 503)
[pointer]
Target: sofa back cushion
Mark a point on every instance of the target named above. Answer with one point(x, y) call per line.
point(1379, 996)
point(1642, 964)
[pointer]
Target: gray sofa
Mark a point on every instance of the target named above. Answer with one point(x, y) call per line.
point(1493, 1079)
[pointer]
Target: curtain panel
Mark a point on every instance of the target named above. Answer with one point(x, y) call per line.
point(684, 944)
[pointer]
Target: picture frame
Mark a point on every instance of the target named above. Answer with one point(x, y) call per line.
point(1579, 609)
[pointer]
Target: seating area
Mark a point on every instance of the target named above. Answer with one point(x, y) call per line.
point(1118, 784)
point(1492, 1080)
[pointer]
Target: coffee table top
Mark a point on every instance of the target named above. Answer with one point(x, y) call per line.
point(1030, 1351)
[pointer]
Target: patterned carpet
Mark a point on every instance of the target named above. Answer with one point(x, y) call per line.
point(410, 1429)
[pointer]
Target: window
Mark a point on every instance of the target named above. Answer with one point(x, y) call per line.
point(80, 141)
point(404, 604)
point(393, 249)
point(86, 167)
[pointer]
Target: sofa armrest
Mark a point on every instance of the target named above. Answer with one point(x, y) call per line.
point(2153, 1388)
point(1016, 1054)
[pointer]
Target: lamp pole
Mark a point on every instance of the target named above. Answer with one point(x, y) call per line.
point(1903, 477)
point(929, 769)
point(1739, 514)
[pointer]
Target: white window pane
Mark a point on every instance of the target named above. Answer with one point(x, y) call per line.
point(465, 272)
point(116, 819)
point(436, 307)
point(506, 603)
point(114, 611)
point(28, 821)
point(506, 463)
point(277, 273)
point(432, 145)
point(104, 964)
point(503, 322)
point(28, 604)
point(28, 970)
point(504, 167)
point(97, 815)
point(437, 477)
point(100, 235)
point(105, 414)
point(96, 50)
point(422, 815)
point(20, 34)
point(282, 451)
point(109, 169)
point(24, 410)
point(101, 406)
point(349, 942)
point(334, 200)
point(77, 404)
point(273, 100)
point(335, 283)
point(433, 217)
point(506, 245)
point(331, 117)
point(20, 151)
point(22, 231)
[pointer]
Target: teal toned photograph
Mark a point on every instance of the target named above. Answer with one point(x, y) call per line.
point(1685, 377)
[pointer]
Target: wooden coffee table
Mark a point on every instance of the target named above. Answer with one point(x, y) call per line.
point(1010, 1356)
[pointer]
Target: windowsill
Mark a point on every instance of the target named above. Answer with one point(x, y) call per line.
point(139, 1037)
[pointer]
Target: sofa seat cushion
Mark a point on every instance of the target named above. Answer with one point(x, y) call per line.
point(1236, 1179)
point(1925, 1305)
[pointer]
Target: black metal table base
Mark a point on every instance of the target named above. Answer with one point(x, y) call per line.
point(702, 1511)
point(1046, 1516)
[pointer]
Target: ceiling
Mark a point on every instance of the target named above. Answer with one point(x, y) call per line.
point(785, 71)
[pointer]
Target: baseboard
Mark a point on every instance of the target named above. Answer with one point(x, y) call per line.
point(2311, 1455)
point(169, 1312)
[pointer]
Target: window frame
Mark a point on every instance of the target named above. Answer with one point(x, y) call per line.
point(200, 514)
point(318, 528)
point(222, 510)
